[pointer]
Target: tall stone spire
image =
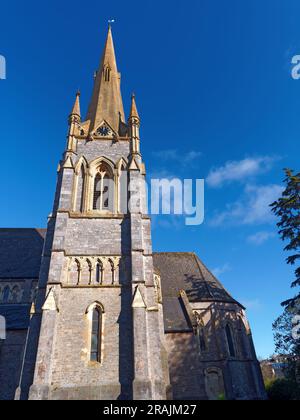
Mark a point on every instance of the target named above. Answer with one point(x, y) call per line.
point(76, 106)
point(134, 127)
point(133, 111)
point(106, 103)
point(74, 122)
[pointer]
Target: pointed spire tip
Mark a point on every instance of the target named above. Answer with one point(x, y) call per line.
point(106, 103)
point(76, 106)
point(133, 111)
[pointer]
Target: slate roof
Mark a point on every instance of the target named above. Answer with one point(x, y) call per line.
point(20, 256)
point(185, 271)
point(20, 252)
point(16, 316)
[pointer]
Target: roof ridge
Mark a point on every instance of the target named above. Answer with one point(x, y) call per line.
point(203, 278)
point(174, 252)
point(22, 228)
point(218, 281)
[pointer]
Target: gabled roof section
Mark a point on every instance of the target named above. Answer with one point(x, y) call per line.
point(185, 271)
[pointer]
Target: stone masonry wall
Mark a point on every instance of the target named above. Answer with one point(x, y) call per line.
point(197, 374)
point(72, 366)
point(11, 353)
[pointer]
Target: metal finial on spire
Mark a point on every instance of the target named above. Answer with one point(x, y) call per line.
point(110, 21)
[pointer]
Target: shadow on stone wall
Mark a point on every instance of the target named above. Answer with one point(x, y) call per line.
point(211, 373)
point(125, 319)
point(30, 353)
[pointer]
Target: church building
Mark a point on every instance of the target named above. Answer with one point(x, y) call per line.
point(91, 312)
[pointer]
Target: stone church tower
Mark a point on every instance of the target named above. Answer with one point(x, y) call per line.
point(96, 329)
point(91, 312)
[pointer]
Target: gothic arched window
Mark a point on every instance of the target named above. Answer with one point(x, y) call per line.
point(6, 294)
point(99, 272)
point(15, 294)
point(90, 271)
point(78, 271)
point(96, 335)
point(104, 189)
point(112, 268)
point(243, 339)
point(106, 72)
point(230, 341)
point(202, 340)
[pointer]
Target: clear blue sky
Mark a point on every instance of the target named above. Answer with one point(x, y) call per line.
point(213, 86)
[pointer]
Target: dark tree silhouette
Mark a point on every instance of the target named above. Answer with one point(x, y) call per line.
point(285, 343)
point(287, 209)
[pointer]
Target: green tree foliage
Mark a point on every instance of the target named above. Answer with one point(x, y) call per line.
point(282, 390)
point(286, 332)
point(287, 209)
point(285, 342)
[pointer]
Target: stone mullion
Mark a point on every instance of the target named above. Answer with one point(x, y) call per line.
point(90, 192)
point(116, 207)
